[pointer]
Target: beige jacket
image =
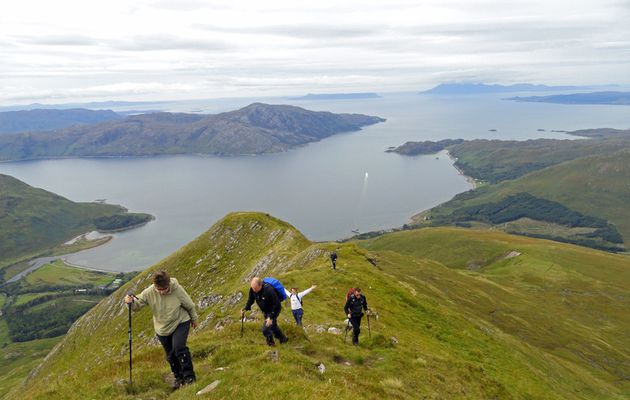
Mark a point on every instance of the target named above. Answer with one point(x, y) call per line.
point(169, 310)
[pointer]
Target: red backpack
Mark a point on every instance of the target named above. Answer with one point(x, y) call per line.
point(350, 293)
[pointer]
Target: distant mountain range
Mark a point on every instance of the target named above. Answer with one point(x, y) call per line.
point(255, 129)
point(481, 88)
point(613, 98)
point(337, 96)
point(49, 119)
point(94, 105)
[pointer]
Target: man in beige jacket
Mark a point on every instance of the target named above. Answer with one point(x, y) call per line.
point(173, 315)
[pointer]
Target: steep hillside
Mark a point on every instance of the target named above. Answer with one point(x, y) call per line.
point(46, 120)
point(596, 185)
point(33, 220)
point(531, 320)
point(257, 128)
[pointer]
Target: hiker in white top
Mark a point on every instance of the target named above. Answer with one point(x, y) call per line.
point(296, 302)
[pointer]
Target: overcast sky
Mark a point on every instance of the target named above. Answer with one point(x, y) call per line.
point(86, 50)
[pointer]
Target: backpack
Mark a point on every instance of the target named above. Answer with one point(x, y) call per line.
point(298, 297)
point(350, 293)
point(277, 286)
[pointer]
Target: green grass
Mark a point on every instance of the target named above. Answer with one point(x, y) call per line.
point(18, 359)
point(60, 274)
point(549, 324)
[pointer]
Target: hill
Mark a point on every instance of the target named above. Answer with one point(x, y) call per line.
point(612, 98)
point(255, 129)
point(461, 314)
point(595, 185)
point(33, 221)
point(46, 120)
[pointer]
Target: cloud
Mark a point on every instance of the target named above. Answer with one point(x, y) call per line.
point(167, 42)
point(156, 49)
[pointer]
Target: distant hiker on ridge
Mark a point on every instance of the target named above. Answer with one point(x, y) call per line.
point(354, 307)
point(173, 315)
point(296, 303)
point(267, 299)
point(333, 259)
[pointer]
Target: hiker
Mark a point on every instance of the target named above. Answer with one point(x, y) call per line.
point(173, 315)
point(296, 302)
point(355, 304)
point(333, 259)
point(267, 299)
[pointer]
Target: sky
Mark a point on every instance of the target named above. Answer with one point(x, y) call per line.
point(141, 50)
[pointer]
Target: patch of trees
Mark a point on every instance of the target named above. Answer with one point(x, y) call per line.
point(524, 205)
point(575, 240)
point(121, 221)
point(47, 316)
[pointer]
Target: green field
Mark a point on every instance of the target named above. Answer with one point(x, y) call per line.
point(25, 298)
point(63, 275)
point(475, 315)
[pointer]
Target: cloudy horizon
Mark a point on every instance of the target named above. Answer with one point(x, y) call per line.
point(151, 50)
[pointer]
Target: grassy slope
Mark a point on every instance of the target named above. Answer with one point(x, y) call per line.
point(547, 324)
point(18, 359)
point(33, 220)
point(595, 186)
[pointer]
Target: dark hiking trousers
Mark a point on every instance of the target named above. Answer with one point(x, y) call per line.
point(177, 354)
point(274, 330)
point(297, 314)
point(356, 327)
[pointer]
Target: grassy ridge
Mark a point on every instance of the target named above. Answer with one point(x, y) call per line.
point(548, 323)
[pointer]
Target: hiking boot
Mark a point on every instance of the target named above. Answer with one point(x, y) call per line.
point(284, 340)
point(177, 383)
point(189, 380)
point(270, 342)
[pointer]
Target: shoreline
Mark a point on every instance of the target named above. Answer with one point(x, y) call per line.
point(474, 182)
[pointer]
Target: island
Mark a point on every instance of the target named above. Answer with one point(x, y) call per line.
point(255, 129)
point(463, 88)
point(610, 98)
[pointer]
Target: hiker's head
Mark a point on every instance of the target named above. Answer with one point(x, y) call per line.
point(294, 290)
point(162, 282)
point(357, 292)
point(256, 284)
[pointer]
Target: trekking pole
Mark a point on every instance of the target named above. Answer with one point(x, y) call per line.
point(242, 322)
point(369, 330)
point(345, 336)
point(130, 342)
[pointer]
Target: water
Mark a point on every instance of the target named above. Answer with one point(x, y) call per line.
point(319, 188)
